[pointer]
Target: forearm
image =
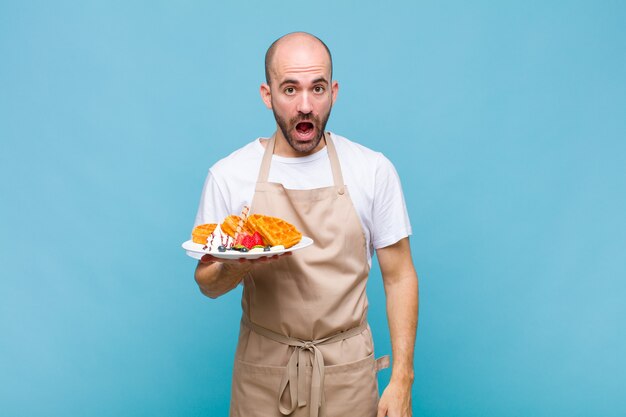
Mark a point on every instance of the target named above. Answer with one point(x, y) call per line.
point(402, 313)
point(401, 290)
point(216, 278)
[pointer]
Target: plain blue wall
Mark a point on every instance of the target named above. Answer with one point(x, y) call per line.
point(505, 120)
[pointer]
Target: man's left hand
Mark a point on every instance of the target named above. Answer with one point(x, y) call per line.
point(395, 401)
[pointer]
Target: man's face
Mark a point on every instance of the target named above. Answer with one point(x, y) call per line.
point(301, 95)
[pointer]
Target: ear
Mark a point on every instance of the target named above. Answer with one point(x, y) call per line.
point(266, 95)
point(334, 89)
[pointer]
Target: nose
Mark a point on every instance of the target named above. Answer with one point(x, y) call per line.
point(304, 104)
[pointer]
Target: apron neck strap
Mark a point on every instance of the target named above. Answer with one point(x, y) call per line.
point(264, 172)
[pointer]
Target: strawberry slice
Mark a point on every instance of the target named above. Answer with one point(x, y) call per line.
point(258, 239)
point(248, 241)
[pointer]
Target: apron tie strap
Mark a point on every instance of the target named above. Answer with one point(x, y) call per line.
point(293, 380)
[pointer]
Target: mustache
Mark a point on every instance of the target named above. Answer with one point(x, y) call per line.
point(304, 118)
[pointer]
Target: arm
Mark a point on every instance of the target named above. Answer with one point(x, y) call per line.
point(216, 277)
point(401, 290)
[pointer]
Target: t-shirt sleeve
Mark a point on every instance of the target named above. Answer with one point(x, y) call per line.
point(213, 207)
point(390, 218)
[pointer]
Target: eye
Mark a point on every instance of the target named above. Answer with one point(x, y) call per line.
point(290, 91)
point(318, 89)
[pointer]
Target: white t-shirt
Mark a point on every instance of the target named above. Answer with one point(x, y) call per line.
point(371, 180)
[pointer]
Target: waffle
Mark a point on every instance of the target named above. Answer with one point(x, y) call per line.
point(229, 226)
point(201, 233)
point(275, 231)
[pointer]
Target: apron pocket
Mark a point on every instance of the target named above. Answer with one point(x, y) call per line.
point(255, 390)
point(351, 389)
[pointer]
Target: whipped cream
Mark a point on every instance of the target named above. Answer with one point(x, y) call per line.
point(217, 239)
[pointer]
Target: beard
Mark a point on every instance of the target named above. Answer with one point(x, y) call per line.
point(319, 124)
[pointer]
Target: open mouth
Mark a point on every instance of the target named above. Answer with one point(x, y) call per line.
point(304, 128)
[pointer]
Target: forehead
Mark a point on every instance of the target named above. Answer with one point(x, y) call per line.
point(300, 58)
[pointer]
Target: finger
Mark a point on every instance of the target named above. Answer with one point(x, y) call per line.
point(210, 259)
point(207, 259)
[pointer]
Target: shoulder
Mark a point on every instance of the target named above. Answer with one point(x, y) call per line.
point(345, 145)
point(239, 168)
point(230, 183)
point(237, 173)
point(356, 156)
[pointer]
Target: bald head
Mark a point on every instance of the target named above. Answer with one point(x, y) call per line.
point(287, 42)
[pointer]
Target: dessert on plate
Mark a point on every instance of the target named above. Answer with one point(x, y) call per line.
point(274, 230)
point(256, 233)
point(201, 233)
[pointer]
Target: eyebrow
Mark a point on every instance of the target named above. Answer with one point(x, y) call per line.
point(289, 81)
point(296, 82)
point(320, 80)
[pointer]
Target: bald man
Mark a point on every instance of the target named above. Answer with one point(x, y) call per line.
point(305, 347)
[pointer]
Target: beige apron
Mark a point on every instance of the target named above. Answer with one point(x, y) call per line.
point(305, 348)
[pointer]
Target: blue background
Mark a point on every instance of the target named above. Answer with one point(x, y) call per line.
point(505, 120)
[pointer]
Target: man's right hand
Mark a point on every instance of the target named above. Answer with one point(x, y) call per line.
point(212, 259)
point(217, 276)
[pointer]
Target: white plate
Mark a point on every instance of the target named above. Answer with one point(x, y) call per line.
point(195, 250)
